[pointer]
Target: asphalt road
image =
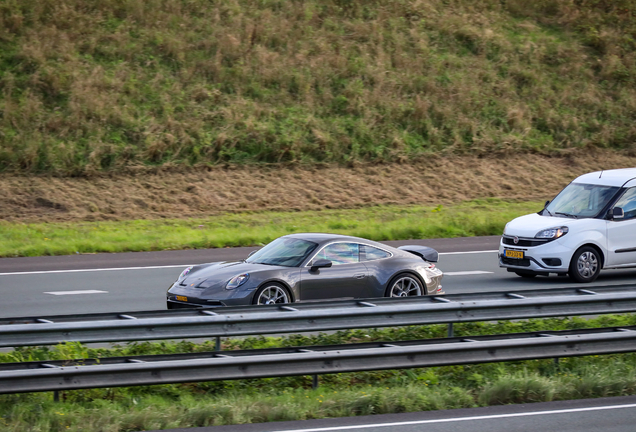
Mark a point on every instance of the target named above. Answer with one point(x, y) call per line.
point(127, 282)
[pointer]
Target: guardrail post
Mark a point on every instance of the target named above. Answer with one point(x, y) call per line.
point(450, 330)
point(314, 382)
point(56, 396)
point(217, 346)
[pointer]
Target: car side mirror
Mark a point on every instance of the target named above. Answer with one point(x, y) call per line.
point(252, 253)
point(321, 263)
point(616, 213)
point(546, 204)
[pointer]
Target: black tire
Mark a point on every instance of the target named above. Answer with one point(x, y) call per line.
point(271, 293)
point(405, 285)
point(585, 265)
point(523, 274)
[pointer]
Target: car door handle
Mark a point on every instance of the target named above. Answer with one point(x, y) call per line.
point(359, 276)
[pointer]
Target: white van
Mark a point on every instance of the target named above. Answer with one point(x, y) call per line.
point(590, 225)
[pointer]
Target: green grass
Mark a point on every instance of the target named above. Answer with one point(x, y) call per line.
point(347, 394)
point(472, 218)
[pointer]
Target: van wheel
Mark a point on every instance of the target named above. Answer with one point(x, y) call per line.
point(585, 265)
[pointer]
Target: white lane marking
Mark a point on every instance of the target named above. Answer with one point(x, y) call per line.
point(169, 266)
point(76, 292)
point(465, 273)
point(449, 420)
point(95, 270)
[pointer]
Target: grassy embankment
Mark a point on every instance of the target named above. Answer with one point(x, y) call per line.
point(291, 398)
point(120, 85)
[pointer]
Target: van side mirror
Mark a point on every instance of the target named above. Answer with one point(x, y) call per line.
point(321, 263)
point(616, 213)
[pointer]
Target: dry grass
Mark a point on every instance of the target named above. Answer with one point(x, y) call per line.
point(201, 193)
point(106, 86)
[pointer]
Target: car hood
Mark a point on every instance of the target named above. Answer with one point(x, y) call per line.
point(222, 272)
point(529, 225)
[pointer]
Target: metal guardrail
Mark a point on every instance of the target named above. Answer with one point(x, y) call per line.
point(150, 370)
point(324, 316)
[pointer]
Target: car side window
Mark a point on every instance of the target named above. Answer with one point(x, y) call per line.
point(369, 253)
point(628, 203)
point(340, 253)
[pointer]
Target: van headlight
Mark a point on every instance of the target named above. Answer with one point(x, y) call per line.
point(552, 233)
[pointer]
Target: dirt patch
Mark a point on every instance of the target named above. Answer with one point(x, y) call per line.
point(205, 192)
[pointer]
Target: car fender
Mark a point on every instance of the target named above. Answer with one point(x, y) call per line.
point(412, 270)
point(292, 284)
point(589, 235)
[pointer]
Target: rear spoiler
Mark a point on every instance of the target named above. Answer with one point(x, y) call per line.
point(424, 252)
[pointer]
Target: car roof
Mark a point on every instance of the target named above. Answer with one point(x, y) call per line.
point(615, 177)
point(326, 237)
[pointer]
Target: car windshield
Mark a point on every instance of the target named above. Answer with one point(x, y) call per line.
point(288, 252)
point(580, 200)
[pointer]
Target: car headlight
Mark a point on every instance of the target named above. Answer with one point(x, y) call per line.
point(183, 274)
point(552, 233)
point(237, 281)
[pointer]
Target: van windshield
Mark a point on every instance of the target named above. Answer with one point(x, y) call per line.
point(580, 200)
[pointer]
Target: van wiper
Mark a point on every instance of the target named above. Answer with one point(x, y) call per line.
point(567, 215)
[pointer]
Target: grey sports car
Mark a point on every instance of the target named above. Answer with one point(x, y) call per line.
point(307, 267)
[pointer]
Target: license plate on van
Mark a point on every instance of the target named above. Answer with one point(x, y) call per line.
point(513, 254)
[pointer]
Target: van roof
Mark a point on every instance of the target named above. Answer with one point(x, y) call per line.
point(615, 177)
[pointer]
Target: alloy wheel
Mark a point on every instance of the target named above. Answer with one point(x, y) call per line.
point(405, 286)
point(271, 295)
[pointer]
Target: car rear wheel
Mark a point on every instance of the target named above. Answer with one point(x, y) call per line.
point(585, 265)
point(405, 285)
point(271, 293)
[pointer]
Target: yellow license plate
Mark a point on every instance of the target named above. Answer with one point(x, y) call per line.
point(513, 254)
point(181, 298)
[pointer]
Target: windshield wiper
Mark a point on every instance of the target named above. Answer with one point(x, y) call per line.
point(567, 215)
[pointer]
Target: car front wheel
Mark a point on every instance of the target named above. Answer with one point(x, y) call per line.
point(405, 286)
point(585, 265)
point(271, 294)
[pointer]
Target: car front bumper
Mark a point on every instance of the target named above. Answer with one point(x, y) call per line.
point(550, 257)
point(185, 297)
